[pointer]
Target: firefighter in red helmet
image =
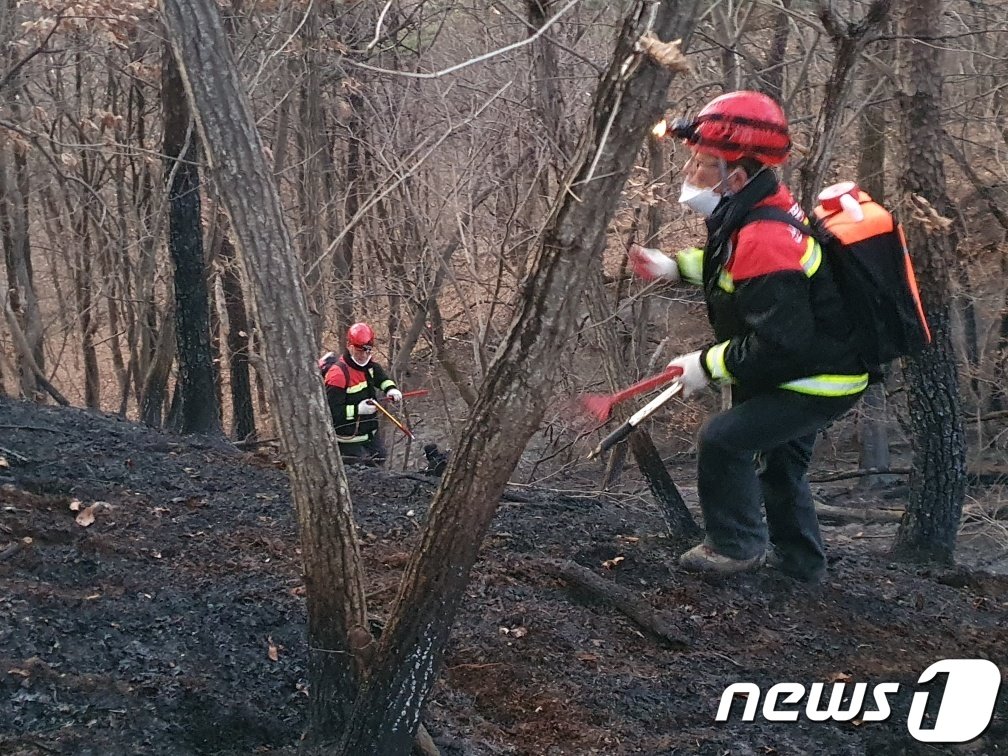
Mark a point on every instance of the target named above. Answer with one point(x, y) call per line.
point(353, 382)
point(781, 340)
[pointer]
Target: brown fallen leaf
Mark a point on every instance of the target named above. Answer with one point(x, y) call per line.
point(839, 677)
point(610, 563)
point(86, 516)
point(274, 652)
point(75, 505)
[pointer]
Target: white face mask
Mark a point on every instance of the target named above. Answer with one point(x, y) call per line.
point(702, 201)
point(353, 356)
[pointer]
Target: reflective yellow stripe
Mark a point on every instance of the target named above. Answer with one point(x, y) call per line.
point(386, 385)
point(690, 262)
point(352, 439)
point(357, 387)
point(726, 282)
point(716, 364)
point(351, 410)
point(829, 385)
point(812, 258)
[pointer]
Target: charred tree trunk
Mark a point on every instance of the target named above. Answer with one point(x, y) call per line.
point(242, 409)
point(938, 481)
point(512, 397)
point(198, 411)
point(338, 637)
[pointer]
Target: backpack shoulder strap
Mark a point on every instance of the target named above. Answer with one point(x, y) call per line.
point(776, 214)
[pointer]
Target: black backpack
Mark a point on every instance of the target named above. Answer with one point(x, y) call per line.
point(871, 265)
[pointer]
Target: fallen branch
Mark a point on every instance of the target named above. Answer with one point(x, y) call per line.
point(659, 624)
point(974, 478)
point(845, 515)
point(11, 550)
point(14, 455)
point(255, 443)
point(861, 473)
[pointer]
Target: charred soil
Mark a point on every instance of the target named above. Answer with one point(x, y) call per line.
point(174, 622)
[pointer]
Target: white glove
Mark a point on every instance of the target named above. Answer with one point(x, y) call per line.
point(650, 264)
point(394, 394)
point(694, 376)
point(366, 407)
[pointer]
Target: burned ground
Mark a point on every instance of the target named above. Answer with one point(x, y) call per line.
point(175, 622)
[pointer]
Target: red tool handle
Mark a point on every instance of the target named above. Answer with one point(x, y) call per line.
point(670, 374)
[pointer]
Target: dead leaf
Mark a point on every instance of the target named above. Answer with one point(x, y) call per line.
point(610, 563)
point(274, 652)
point(87, 516)
point(839, 677)
point(3, 462)
point(925, 213)
point(19, 672)
point(665, 54)
point(519, 632)
point(75, 505)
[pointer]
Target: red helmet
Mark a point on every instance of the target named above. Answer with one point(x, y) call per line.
point(359, 334)
point(737, 125)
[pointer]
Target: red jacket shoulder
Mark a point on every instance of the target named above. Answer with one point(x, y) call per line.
point(764, 247)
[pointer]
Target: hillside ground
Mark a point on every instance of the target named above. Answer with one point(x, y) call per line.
point(175, 621)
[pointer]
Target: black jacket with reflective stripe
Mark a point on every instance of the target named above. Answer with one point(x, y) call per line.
point(784, 322)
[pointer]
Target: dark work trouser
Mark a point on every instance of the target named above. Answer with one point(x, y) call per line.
point(757, 453)
point(371, 452)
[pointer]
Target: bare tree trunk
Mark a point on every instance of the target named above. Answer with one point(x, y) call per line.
point(938, 481)
point(14, 229)
point(242, 409)
point(338, 637)
point(86, 311)
point(873, 434)
point(518, 384)
point(14, 219)
point(313, 144)
point(849, 40)
point(154, 382)
point(772, 74)
point(199, 413)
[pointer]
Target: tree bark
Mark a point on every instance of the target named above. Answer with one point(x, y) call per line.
point(199, 410)
point(242, 408)
point(849, 40)
point(512, 397)
point(873, 434)
point(313, 144)
point(14, 230)
point(337, 631)
point(154, 383)
point(772, 75)
point(938, 481)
